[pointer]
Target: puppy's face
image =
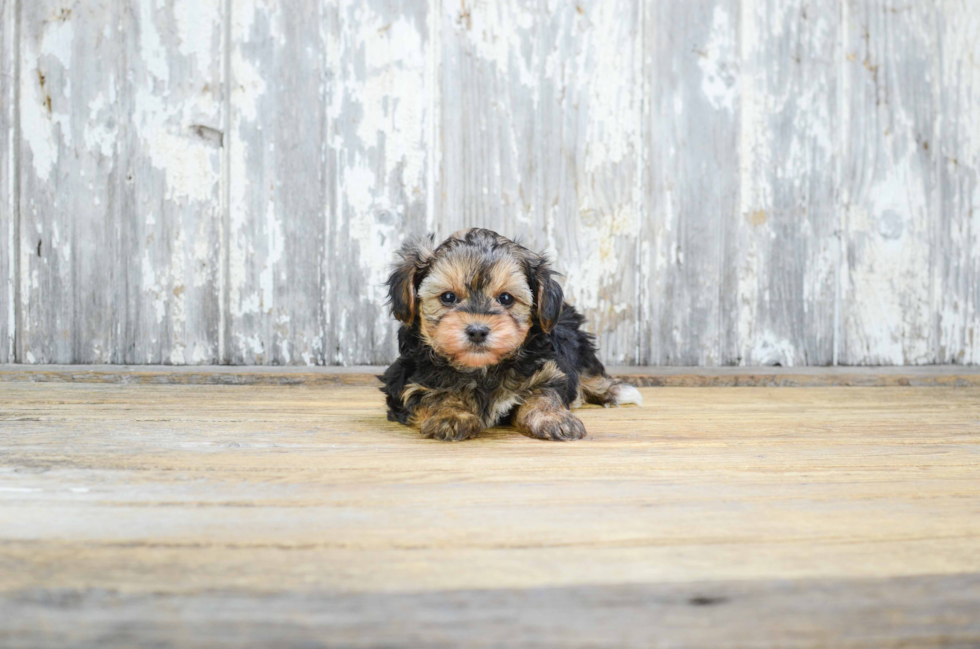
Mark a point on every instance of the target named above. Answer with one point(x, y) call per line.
point(475, 297)
point(475, 308)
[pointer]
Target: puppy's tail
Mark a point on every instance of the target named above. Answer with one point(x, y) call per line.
point(606, 391)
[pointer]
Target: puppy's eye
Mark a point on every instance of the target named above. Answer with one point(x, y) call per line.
point(505, 299)
point(448, 298)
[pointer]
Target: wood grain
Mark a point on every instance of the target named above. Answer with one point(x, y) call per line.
point(279, 185)
point(8, 178)
point(767, 376)
point(382, 137)
point(830, 516)
point(787, 250)
point(889, 191)
point(928, 611)
point(722, 182)
point(688, 287)
point(540, 122)
point(957, 230)
point(120, 110)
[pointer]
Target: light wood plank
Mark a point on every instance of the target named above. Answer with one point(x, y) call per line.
point(689, 283)
point(382, 130)
point(70, 60)
point(767, 376)
point(120, 106)
point(541, 110)
point(935, 611)
point(786, 247)
point(279, 184)
point(170, 226)
point(957, 227)
point(828, 515)
point(328, 174)
point(890, 197)
point(8, 179)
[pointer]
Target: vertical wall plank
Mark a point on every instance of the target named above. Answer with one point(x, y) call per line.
point(68, 186)
point(328, 173)
point(721, 181)
point(120, 179)
point(279, 182)
point(787, 250)
point(890, 197)
point(689, 279)
point(541, 111)
point(8, 180)
point(170, 231)
point(381, 131)
point(957, 268)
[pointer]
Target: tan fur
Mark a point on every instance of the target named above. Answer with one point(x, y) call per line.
point(448, 338)
point(448, 274)
point(443, 327)
point(605, 391)
point(544, 416)
point(514, 390)
point(507, 277)
point(447, 419)
point(478, 390)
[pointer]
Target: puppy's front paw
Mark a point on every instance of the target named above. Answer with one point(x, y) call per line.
point(453, 427)
point(555, 425)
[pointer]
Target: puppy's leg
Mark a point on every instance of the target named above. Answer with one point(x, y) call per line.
point(446, 418)
point(543, 415)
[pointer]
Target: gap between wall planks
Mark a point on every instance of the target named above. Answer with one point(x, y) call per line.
point(722, 181)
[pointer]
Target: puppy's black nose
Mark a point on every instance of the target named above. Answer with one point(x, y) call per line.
point(477, 333)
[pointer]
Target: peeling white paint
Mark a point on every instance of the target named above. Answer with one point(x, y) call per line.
point(42, 122)
point(200, 355)
point(197, 23)
point(556, 132)
point(889, 284)
point(153, 53)
point(719, 61)
point(273, 233)
point(770, 349)
point(191, 167)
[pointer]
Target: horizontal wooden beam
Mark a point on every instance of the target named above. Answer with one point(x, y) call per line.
point(929, 375)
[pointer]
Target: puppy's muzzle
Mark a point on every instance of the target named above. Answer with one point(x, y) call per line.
point(477, 333)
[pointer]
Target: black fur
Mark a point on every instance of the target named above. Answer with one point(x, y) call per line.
point(407, 274)
point(572, 349)
point(555, 335)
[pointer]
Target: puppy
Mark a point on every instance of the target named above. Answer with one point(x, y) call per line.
point(486, 339)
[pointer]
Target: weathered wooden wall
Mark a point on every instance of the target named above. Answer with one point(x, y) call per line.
point(722, 181)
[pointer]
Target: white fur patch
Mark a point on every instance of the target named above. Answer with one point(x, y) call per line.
point(500, 409)
point(626, 393)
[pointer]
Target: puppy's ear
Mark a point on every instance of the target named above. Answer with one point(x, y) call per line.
point(406, 275)
point(548, 296)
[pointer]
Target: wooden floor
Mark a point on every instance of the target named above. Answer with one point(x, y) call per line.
point(190, 515)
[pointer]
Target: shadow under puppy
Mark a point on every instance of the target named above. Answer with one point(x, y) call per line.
point(488, 339)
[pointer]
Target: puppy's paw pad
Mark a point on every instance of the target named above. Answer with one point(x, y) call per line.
point(452, 428)
point(556, 426)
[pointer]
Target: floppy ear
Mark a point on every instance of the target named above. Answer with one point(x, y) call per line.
point(548, 296)
point(413, 260)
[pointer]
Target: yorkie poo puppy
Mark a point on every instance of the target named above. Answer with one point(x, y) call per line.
point(487, 338)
